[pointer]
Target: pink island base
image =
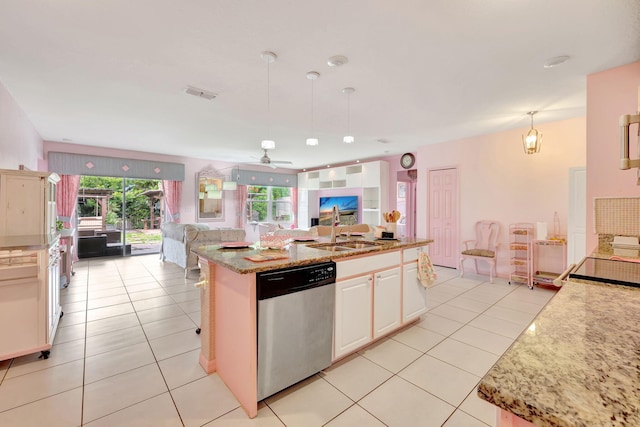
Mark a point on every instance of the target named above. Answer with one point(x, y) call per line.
point(229, 332)
point(507, 419)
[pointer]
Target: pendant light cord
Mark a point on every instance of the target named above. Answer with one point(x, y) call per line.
point(268, 100)
point(348, 113)
point(312, 132)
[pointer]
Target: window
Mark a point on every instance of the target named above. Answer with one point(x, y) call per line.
point(269, 204)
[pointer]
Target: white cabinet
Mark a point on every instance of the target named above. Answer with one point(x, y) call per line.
point(352, 327)
point(368, 300)
point(354, 176)
point(414, 295)
point(29, 301)
point(371, 177)
point(27, 203)
point(307, 207)
point(386, 301)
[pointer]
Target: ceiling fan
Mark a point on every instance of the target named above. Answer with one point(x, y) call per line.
point(266, 160)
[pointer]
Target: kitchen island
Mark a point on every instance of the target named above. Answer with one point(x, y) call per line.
point(229, 301)
point(578, 363)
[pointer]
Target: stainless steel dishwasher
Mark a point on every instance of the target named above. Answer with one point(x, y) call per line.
point(295, 324)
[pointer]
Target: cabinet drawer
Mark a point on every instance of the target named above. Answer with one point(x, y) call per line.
point(358, 266)
point(411, 254)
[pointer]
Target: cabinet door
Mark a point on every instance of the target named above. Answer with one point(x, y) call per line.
point(414, 295)
point(386, 301)
point(371, 174)
point(353, 314)
point(22, 204)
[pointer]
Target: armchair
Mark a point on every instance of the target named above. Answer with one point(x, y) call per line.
point(484, 248)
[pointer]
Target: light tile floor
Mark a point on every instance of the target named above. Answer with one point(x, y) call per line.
point(126, 354)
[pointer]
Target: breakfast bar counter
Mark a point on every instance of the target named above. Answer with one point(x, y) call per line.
point(578, 363)
point(296, 254)
point(229, 303)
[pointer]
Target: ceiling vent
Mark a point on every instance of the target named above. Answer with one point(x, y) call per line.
point(383, 141)
point(200, 93)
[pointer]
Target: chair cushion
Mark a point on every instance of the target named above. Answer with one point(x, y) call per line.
point(479, 252)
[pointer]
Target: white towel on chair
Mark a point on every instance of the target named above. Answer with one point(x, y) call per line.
point(426, 274)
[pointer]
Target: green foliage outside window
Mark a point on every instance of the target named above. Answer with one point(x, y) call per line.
point(137, 204)
point(269, 204)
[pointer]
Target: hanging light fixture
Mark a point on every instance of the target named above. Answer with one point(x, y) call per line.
point(533, 140)
point(348, 139)
point(268, 57)
point(312, 75)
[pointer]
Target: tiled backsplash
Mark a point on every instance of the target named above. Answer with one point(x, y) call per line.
point(618, 216)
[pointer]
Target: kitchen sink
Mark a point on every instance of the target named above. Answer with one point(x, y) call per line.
point(344, 246)
point(359, 244)
point(334, 247)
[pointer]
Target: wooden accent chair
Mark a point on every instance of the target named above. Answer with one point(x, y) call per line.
point(484, 248)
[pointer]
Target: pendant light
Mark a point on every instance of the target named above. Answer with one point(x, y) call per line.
point(533, 140)
point(268, 57)
point(348, 139)
point(312, 75)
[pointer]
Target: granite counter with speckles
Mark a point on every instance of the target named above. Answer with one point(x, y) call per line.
point(296, 254)
point(578, 363)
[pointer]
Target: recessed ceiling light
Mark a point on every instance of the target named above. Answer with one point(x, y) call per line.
point(554, 62)
point(337, 60)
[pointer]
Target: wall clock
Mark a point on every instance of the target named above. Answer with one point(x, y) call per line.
point(407, 160)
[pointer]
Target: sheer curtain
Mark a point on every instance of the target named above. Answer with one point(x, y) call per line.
point(172, 196)
point(66, 200)
point(294, 206)
point(241, 200)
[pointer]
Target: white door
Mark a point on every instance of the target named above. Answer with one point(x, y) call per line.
point(353, 314)
point(577, 227)
point(414, 295)
point(386, 301)
point(443, 216)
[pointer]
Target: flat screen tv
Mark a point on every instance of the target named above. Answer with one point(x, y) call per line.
point(347, 206)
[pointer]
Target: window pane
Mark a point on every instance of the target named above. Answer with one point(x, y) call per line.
point(257, 211)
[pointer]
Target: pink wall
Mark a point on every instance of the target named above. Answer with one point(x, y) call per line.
point(497, 180)
point(20, 143)
point(610, 94)
point(192, 166)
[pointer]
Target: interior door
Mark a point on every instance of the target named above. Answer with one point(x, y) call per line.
point(406, 202)
point(443, 216)
point(577, 227)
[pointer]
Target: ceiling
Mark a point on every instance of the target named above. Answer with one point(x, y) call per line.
point(113, 73)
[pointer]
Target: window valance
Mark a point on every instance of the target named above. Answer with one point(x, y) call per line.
point(85, 164)
point(251, 177)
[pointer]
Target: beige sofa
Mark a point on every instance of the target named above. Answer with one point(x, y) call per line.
point(178, 239)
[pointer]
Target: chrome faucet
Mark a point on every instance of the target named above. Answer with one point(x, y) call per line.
point(335, 220)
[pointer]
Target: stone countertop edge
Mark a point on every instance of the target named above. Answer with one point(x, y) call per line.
point(577, 364)
point(298, 253)
point(27, 242)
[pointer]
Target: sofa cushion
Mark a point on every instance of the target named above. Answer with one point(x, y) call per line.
point(173, 230)
point(191, 230)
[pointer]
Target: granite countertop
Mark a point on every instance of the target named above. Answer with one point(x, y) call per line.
point(578, 363)
point(296, 254)
point(31, 242)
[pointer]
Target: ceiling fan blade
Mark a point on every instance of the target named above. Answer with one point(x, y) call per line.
point(282, 162)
